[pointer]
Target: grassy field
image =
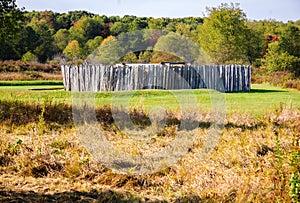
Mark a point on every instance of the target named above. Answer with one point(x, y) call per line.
point(257, 158)
point(31, 83)
point(261, 99)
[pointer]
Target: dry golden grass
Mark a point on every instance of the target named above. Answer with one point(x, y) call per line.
point(29, 75)
point(255, 161)
point(18, 70)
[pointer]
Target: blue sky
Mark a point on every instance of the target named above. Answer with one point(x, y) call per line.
point(282, 10)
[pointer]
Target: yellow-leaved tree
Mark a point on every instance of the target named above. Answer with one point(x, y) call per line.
point(73, 50)
point(108, 53)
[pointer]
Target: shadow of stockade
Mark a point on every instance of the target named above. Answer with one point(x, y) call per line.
point(108, 196)
point(21, 113)
point(259, 91)
point(266, 91)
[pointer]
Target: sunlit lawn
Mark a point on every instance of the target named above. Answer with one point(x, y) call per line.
point(261, 99)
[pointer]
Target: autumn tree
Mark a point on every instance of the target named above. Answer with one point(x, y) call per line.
point(61, 38)
point(177, 45)
point(138, 24)
point(86, 28)
point(145, 56)
point(157, 23)
point(108, 53)
point(162, 56)
point(73, 50)
point(117, 28)
point(63, 21)
point(93, 44)
point(222, 34)
point(28, 57)
point(171, 27)
point(185, 30)
point(130, 58)
point(132, 41)
point(76, 15)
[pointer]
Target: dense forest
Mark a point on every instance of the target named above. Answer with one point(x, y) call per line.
point(225, 34)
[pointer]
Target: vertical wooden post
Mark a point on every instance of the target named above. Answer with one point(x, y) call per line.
point(228, 78)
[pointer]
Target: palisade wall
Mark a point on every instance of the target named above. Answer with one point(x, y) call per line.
point(98, 78)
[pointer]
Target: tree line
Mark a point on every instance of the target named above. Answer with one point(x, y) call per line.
point(225, 35)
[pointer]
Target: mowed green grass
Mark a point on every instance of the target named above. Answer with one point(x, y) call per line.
point(34, 84)
point(14, 83)
point(261, 99)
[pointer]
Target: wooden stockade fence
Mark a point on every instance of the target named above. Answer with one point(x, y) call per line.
point(98, 78)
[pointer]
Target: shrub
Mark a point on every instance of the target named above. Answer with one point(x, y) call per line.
point(28, 57)
point(278, 60)
point(283, 79)
point(19, 66)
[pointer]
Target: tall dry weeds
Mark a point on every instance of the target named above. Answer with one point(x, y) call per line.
point(255, 160)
